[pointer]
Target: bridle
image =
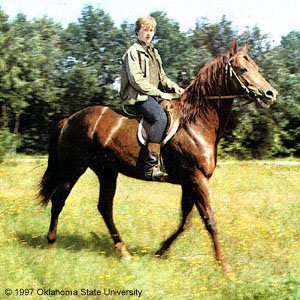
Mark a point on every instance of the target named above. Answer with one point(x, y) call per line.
point(229, 73)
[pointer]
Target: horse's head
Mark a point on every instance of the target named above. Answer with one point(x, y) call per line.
point(244, 75)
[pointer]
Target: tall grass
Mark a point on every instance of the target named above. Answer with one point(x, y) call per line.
point(257, 207)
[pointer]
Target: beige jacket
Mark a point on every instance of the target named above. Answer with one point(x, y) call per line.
point(135, 84)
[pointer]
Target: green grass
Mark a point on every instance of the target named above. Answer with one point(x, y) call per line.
point(257, 207)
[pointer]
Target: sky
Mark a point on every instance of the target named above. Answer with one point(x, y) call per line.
point(274, 17)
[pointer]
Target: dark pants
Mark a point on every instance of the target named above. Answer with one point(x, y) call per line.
point(154, 114)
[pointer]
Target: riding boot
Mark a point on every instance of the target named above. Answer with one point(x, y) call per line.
point(152, 163)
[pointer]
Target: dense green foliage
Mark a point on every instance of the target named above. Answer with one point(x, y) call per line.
point(47, 72)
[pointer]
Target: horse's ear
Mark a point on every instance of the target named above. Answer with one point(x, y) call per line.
point(233, 48)
point(246, 47)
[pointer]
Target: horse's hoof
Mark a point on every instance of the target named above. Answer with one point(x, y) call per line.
point(122, 251)
point(51, 239)
point(160, 252)
point(228, 269)
point(126, 258)
point(51, 245)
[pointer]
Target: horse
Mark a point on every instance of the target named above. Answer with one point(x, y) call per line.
point(105, 141)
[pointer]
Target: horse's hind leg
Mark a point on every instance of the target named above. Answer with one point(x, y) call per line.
point(108, 184)
point(58, 199)
point(186, 207)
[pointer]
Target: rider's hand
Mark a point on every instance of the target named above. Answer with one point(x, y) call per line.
point(166, 96)
point(178, 90)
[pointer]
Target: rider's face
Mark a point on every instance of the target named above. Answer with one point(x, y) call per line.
point(145, 34)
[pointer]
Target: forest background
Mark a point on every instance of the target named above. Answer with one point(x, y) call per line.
point(48, 72)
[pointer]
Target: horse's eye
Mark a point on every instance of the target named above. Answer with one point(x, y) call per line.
point(243, 70)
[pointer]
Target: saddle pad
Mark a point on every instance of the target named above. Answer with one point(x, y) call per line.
point(144, 127)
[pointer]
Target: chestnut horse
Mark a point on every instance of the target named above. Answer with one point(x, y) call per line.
point(106, 141)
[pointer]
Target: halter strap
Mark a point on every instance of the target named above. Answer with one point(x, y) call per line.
point(230, 71)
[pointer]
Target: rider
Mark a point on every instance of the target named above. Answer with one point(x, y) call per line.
point(142, 81)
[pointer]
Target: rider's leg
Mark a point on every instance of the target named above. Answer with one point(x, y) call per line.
point(154, 114)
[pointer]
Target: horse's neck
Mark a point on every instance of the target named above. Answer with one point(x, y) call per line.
point(216, 119)
point(198, 107)
point(223, 116)
point(219, 111)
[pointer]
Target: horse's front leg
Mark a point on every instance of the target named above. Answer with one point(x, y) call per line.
point(186, 211)
point(202, 201)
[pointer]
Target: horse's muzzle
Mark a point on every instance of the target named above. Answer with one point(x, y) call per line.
point(270, 95)
point(263, 97)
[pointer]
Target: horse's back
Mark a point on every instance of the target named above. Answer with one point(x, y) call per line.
point(89, 120)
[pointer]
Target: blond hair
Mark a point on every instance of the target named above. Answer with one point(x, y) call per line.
point(144, 22)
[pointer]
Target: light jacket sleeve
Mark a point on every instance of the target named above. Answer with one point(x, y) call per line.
point(165, 80)
point(136, 77)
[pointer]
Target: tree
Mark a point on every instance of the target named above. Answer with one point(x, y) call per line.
point(6, 137)
point(179, 59)
point(26, 84)
point(287, 77)
point(217, 37)
point(4, 28)
point(92, 44)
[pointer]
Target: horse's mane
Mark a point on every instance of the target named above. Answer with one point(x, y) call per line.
point(208, 82)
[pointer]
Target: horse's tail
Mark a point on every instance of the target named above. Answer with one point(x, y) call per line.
point(49, 181)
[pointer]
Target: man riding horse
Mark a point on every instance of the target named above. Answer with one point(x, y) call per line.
point(142, 79)
point(103, 139)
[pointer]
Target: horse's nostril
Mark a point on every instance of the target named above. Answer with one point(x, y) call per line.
point(269, 93)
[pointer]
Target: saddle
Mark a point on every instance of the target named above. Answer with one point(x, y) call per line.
point(172, 126)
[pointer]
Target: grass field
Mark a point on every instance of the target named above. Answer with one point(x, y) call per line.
point(257, 207)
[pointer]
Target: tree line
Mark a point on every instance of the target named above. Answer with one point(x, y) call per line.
point(48, 72)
